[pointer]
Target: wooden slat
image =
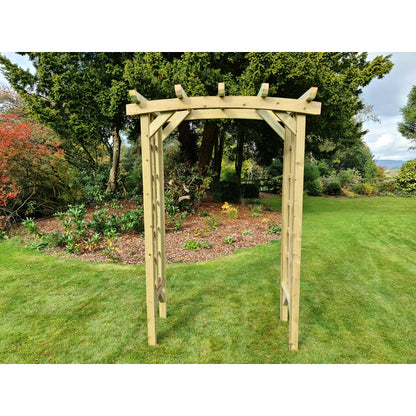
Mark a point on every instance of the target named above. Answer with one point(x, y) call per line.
point(160, 232)
point(136, 97)
point(149, 228)
point(221, 89)
point(174, 122)
point(285, 223)
point(286, 296)
point(193, 103)
point(309, 95)
point(297, 233)
point(179, 91)
point(288, 120)
point(264, 90)
point(159, 122)
point(270, 118)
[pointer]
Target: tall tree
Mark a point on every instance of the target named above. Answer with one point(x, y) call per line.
point(81, 96)
point(408, 126)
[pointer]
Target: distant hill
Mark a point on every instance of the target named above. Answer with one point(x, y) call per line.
point(390, 164)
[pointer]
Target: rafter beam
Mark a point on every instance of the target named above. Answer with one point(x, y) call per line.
point(136, 97)
point(174, 122)
point(264, 90)
point(221, 89)
point(270, 118)
point(309, 95)
point(158, 122)
point(179, 91)
point(288, 120)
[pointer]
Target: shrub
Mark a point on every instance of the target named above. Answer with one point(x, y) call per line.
point(406, 179)
point(275, 184)
point(249, 190)
point(311, 172)
point(359, 188)
point(368, 188)
point(226, 191)
point(333, 188)
point(314, 188)
point(348, 178)
point(186, 186)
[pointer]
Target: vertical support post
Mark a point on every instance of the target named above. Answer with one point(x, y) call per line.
point(160, 217)
point(285, 224)
point(296, 243)
point(149, 226)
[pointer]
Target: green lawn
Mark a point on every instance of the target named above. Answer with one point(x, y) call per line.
point(358, 287)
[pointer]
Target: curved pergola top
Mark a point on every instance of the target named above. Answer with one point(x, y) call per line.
point(276, 111)
point(303, 104)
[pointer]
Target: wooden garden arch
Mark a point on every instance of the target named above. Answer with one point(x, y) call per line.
point(159, 118)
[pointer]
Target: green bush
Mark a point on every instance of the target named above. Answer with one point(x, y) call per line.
point(359, 188)
point(249, 190)
point(226, 191)
point(314, 188)
point(311, 172)
point(333, 188)
point(275, 184)
point(406, 179)
point(348, 178)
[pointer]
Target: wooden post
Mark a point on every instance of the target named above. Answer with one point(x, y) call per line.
point(149, 227)
point(285, 224)
point(296, 243)
point(160, 214)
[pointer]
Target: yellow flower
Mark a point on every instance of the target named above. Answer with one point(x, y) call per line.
point(265, 220)
point(225, 206)
point(110, 244)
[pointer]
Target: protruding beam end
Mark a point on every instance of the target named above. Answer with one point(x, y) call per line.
point(221, 89)
point(264, 90)
point(179, 91)
point(309, 95)
point(136, 97)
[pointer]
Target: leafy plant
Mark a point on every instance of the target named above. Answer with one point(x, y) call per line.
point(274, 229)
point(229, 240)
point(256, 210)
point(230, 210)
point(196, 245)
point(213, 222)
point(132, 220)
point(31, 226)
point(246, 232)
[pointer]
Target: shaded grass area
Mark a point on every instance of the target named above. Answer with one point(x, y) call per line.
point(358, 287)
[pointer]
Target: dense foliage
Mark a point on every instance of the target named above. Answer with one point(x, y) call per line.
point(80, 98)
point(406, 179)
point(408, 126)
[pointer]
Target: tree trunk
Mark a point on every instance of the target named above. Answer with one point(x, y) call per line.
point(188, 143)
point(218, 153)
point(239, 154)
point(205, 152)
point(112, 180)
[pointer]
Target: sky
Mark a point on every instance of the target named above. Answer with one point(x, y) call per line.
point(386, 95)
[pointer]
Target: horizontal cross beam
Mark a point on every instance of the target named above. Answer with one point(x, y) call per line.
point(227, 102)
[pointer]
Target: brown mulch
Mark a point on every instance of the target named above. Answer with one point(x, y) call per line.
point(130, 247)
